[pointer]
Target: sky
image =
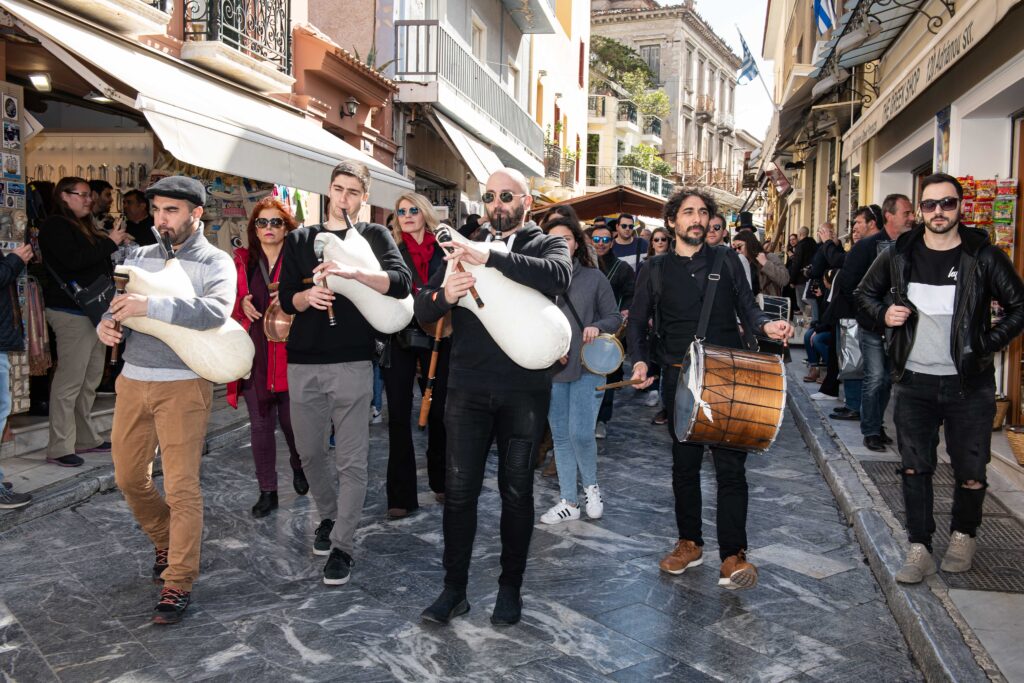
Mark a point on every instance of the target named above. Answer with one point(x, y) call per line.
point(753, 108)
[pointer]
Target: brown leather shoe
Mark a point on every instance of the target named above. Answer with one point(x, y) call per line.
point(397, 513)
point(551, 469)
point(439, 497)
point(686, 554)
point(737, 573)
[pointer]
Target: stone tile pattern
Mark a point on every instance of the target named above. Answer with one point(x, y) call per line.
point(75, 598)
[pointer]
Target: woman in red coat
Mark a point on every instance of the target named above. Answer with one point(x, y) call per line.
point(266, 389)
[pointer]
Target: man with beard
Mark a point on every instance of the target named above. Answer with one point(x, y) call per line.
point(102, 199)
point(137, 217)
point(622, 280)
point(160, 400)
point(933, 291)
point(489, 397)
point(670, 291)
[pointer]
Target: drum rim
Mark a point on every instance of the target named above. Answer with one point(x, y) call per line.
point(612, 338)
point(696, 365)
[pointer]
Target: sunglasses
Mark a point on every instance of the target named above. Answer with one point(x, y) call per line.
point(738, 247)
point(660, 239)
point(604, 239)
point(946, 204)
point(412, 211)
point(505, 196)
point(275, 223)
point(717, 228)
point(627, 226)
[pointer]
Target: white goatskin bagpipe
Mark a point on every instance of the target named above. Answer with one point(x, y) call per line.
point(524, 323)
point(386, 314)
point(221, 354)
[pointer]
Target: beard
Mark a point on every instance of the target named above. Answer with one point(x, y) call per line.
point(179, 235)
point(502, 221)
point(950, 224)
point(695, 241)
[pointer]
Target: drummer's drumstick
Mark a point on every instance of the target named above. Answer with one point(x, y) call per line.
point(623, 383)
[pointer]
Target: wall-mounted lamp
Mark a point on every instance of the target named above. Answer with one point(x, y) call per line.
point(351, 107)
point(40, 82)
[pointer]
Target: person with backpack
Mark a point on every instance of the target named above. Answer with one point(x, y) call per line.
point(671, 291)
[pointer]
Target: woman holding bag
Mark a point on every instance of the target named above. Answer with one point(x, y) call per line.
point(266, 389)
point(413, 230)
point(590, 306)
point(78, 255)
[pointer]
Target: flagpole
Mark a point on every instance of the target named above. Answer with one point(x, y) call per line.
point(757, 70)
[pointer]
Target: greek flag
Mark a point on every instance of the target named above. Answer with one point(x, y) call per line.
point(748, 69)
point(824, 14)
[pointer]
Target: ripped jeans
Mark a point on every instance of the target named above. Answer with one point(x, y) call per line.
point(473, 420)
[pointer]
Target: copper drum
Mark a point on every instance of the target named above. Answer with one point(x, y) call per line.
point(276, 323)
point(730, 398)
point(446, 327)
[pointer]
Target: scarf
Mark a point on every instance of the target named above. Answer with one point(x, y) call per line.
point(421, 254)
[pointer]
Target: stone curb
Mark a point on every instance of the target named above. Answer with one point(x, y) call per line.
point(71, 492)
point(937, 643)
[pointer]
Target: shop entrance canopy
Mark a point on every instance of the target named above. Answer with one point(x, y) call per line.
point(200, 119)
point(615, 200)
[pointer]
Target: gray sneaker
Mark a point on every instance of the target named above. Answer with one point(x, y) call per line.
point(601, 431)
point(919, 564)
point(10, 500)
point(960, 553)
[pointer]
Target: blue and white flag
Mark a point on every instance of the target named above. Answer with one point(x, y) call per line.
point(748, 69)
point(824, 14)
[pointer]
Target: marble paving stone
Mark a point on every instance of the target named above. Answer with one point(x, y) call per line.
point(20, 660)
point(810, 564)
point(563, 668)
point(997, 619)
point(58, 611)
point(661, 668)
point(781, 644)
point(722, 658)
point(97, 656)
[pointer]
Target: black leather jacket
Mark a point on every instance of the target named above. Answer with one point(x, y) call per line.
point(985, 273)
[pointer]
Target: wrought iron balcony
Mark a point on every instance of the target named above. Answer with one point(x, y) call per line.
point(552, 161)
point(596, 106)
point(567, 178)
point(630, 176)
point(652, 127)
point(705, 107)
point(426, 52)
point(725, 121)
point(259, 29)
point(692, 170)
point(627, 112)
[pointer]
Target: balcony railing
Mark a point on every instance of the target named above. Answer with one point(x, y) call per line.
point(692, 170)
point(162, 5)
point(627, 112)
point(725, 121)
point(567, 178)
point(425, 51)
point(723, 180)
point(630, 176)
point(596, 106)
point(256, 28)
point(705, 106)
point(652, 126)
point(552, 161)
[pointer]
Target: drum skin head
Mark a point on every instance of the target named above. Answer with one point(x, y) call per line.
point(603, 355)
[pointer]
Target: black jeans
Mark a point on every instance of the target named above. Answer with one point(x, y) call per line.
point(398, 384)
point(923, 403)
point(474, 420)
point(730, 473)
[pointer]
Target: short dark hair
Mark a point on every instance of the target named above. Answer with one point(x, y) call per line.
point(353, 169)
point(594, 228)
point(720, 217)
point(98, 186)
point(139, 195)
point(612, 224)
point(870, 213)
point(626, 215)
point(889, 203)
point(681, 195)
point(936, 178)
point(572, 224)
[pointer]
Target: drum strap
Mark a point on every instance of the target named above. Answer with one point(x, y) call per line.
point(709, 293)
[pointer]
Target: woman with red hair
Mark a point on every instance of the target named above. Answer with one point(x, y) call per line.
point(266, 389)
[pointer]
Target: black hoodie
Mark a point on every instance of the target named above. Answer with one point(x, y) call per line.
point(538, 261)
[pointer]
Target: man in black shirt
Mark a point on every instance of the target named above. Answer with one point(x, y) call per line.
point(673, 296)
point(330, 371)
point(489, 397)
point(138, 218)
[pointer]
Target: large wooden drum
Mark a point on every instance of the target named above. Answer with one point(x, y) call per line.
point(730, 398)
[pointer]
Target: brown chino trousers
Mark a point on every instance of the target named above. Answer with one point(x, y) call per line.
point(175, 415)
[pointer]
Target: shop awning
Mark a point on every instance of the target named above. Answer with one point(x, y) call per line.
point(203, 120)
point(480, 159)
point(614, 200)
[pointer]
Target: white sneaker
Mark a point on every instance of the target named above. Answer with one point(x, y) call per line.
point(563, 512)
point(600, 431)
point(652, 399)
point(818, 396)
point(595, 506)
point(377, 417)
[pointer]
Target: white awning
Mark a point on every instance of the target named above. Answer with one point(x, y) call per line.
point(204, 121)
point(481, 160)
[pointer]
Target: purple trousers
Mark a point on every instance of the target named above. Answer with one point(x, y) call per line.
point(264, 416)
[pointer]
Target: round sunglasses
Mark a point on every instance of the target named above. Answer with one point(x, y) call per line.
point(505, 196)
point(275, 223)
point(412, 211)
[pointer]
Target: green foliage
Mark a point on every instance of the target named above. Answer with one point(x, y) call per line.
point(661, 167)
point(615, 59)
point(371, 58)
point(647, 158)
point(652, 103)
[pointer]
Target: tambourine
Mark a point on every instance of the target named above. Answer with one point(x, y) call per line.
point(603, 355)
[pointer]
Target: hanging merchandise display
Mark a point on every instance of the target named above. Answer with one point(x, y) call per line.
point(991, 204)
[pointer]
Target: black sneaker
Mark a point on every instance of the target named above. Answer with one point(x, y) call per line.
point(338, 569)
point(885, 437)
point(171, 607)
point(9, 500)
point(70, 460)
point(159, 565)
point(450, 604)
point(299, 482)
point(322, 538)
point(508, 608)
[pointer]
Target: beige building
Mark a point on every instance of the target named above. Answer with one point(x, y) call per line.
point(698, 72)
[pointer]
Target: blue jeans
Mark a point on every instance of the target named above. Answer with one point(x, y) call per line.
point(853, 389)
point(571, 415)
point(816, 346)
point(877, 383)
point(378, 388)
point(5, 394)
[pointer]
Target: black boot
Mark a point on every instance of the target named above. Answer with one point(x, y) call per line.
point(266, 504)
point(450, 604)
point(299, 482)
point(508, 607)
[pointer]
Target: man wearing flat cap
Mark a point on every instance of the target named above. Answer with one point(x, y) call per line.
point(159, 399)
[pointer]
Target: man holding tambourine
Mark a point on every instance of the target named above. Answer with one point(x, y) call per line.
point(671, 291)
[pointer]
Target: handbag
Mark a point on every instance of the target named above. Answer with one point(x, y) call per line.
point(414, 339)
point(94, 300)
point(851, 360)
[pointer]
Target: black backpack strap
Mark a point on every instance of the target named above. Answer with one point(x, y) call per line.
point(714, 275)
point(572, 309)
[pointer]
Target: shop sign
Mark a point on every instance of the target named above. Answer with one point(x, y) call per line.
point(779, 178)
point(944, 51)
